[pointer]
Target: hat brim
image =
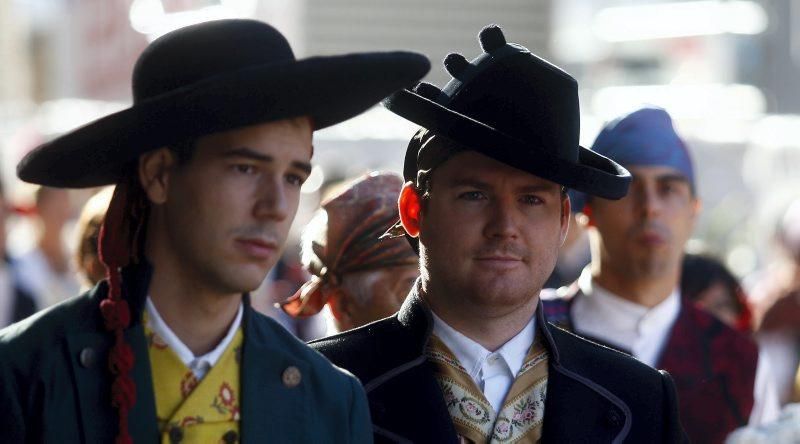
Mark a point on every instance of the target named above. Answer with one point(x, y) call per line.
point(592, 173)
point(327, 89)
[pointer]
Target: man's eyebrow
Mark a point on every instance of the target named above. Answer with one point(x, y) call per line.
point(538, 188)
point(671, 177)
point(470, 182)
point(477, 183)
point(252, 154)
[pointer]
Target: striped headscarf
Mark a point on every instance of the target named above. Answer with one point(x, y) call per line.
point(344, 237)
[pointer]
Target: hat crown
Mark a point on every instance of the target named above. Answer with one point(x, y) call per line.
point(516, 92)
point(194, 53)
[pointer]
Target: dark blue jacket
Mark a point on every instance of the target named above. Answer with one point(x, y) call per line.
point(55, 383)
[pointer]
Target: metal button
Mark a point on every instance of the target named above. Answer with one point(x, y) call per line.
point(291, 377)
point(88, 357)
point(230, 437)
point(175, 434)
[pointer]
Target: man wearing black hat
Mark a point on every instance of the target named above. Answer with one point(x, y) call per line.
point(470, 357)
point(208, 164)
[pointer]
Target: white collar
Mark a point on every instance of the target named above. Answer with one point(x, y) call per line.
point(472, 355)
point(198, 364)
point(634, 327)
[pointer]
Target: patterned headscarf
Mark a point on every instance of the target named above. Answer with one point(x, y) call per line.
point(344, 237)
point(644, 137)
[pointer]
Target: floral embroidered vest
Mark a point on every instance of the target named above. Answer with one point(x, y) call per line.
point(189, 410)
point(522, 415)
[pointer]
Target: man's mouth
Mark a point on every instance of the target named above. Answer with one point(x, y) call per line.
point(651, 238)
point(257, 248)
point(498, 261)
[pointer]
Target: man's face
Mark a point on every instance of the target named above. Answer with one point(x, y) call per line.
point(387, 288)
point(228, 210)
point(489, 234)
point(643, 234)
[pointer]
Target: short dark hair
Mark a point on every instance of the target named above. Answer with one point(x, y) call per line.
point(184, 150)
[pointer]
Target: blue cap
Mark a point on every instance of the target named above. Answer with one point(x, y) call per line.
point(643, 137)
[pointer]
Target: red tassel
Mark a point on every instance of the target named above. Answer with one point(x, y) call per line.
point(114, 247)
point(115, 314)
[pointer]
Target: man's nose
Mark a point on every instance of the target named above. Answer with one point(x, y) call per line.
point(272, 202)
point(649, 202)
point(502, 221)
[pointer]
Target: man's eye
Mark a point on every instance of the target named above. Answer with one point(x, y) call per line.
point(245, 169)
point(471, 195)
point(295, 179)
point(532, 200)
point(669, 189)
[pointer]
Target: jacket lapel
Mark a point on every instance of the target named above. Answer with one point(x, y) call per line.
point(577, 409)
point(406, 392)
point(272, 406)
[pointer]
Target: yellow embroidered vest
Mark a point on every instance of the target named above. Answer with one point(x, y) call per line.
point(189, 410)
point(522, 415)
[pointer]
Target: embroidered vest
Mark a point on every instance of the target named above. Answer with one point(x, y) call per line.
point(521, 417)
point(189, 410)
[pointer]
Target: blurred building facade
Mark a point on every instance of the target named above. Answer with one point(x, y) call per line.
point(435, 28)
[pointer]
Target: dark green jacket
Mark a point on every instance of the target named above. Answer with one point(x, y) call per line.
point(55, 385)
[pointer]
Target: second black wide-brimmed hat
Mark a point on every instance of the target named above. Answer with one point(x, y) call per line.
point(213, 77)
point(513, 106)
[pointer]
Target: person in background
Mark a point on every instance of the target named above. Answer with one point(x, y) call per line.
point(15, 302)
point(573, 255)
point(776, 298)
point(708, 283)
point(46, 271)
point(629, 297)
point(87, 258)
point(282, 282)
point(357, 275)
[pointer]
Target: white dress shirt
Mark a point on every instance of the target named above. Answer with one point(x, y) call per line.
point(644, 332)
point(619, 322)
point(493, 372)
point(199, 365)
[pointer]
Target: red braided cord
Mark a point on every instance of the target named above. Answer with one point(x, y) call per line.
point(114, 252)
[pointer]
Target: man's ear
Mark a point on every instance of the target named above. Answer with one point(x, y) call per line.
point(340, 307)
point(409, 205)
point(154, 170)
point(566, 208)
point(697, 207)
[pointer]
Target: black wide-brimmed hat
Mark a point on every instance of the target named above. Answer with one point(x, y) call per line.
point(515, 107)
point(213, 77)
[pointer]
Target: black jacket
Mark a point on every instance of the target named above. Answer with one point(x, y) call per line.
point(594, 394)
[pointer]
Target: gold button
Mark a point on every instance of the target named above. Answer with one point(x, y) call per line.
point(291, 377)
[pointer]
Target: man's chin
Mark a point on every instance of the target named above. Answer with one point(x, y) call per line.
point(502, 293)
point(247, 280)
